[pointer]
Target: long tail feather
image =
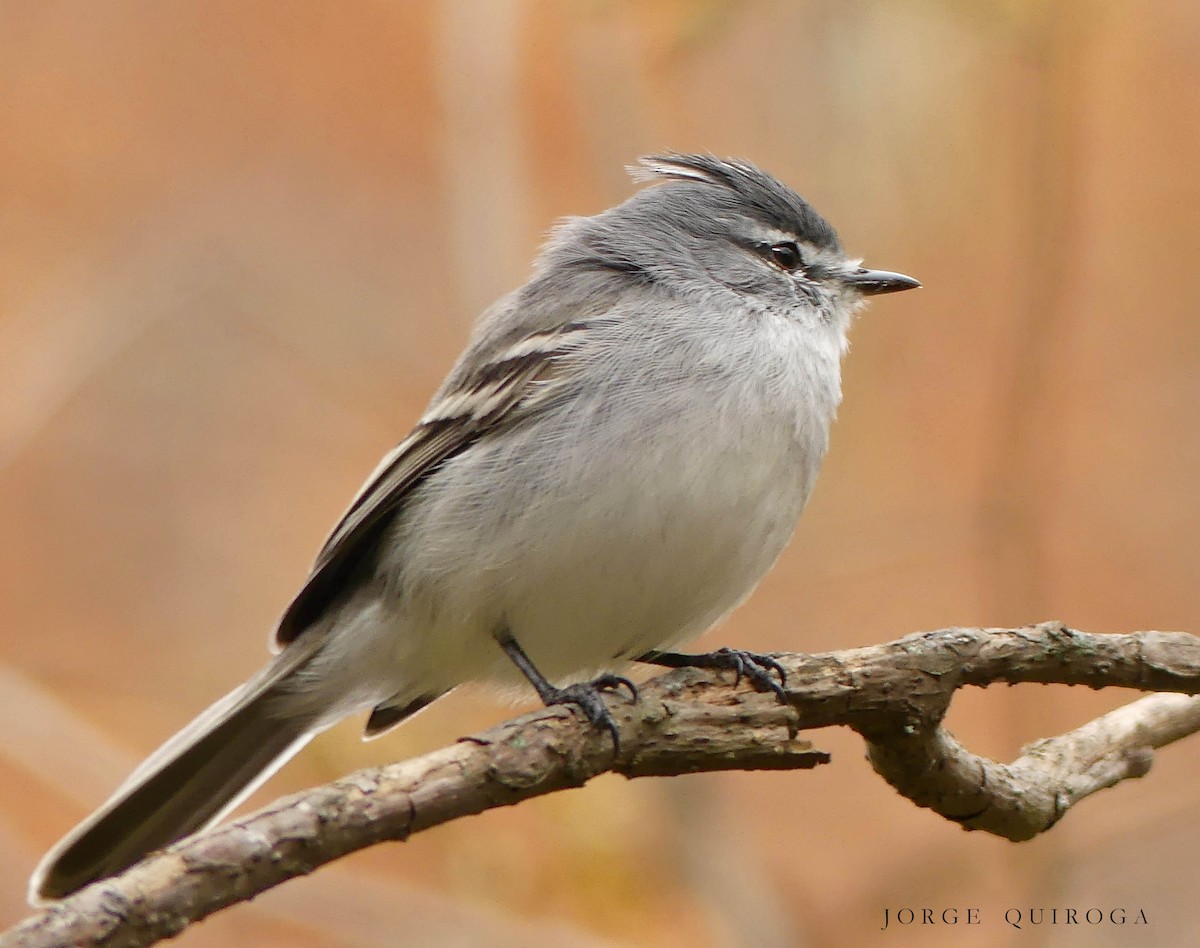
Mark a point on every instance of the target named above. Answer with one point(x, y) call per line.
point(191, 781)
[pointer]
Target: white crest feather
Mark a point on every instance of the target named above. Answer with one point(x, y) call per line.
point(652, 167)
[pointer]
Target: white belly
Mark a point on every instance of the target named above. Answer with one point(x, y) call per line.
point(602, 562)
point(591, 536)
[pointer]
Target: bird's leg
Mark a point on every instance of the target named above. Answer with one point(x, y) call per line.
point(759, 667)
point(587, 696)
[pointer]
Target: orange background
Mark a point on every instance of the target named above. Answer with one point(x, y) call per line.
point(241, 242)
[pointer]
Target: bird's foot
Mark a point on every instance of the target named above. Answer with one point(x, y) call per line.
point(588, 696)
point(759, 668)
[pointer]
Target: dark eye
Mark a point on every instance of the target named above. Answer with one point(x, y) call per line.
point(786, 255)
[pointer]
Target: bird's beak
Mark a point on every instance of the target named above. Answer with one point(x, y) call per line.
point(875, 282)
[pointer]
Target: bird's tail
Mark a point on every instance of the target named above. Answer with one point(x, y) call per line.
point(191, 781)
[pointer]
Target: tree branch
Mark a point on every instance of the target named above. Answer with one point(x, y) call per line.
point(687, 721)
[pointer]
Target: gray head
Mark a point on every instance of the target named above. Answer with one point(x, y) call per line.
point(711, 225)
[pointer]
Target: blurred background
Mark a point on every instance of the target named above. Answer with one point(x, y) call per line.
point(241, 242)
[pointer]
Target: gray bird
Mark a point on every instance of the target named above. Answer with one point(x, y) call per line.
point(619, 455)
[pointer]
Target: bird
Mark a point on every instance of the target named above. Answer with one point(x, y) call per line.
point(619, 455)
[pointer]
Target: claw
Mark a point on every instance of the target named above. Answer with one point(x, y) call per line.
point(587, 697)
point(761, 667)
point(611, 682)
point(756, 666)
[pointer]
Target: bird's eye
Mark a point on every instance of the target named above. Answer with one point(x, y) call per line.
point(786, 255)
